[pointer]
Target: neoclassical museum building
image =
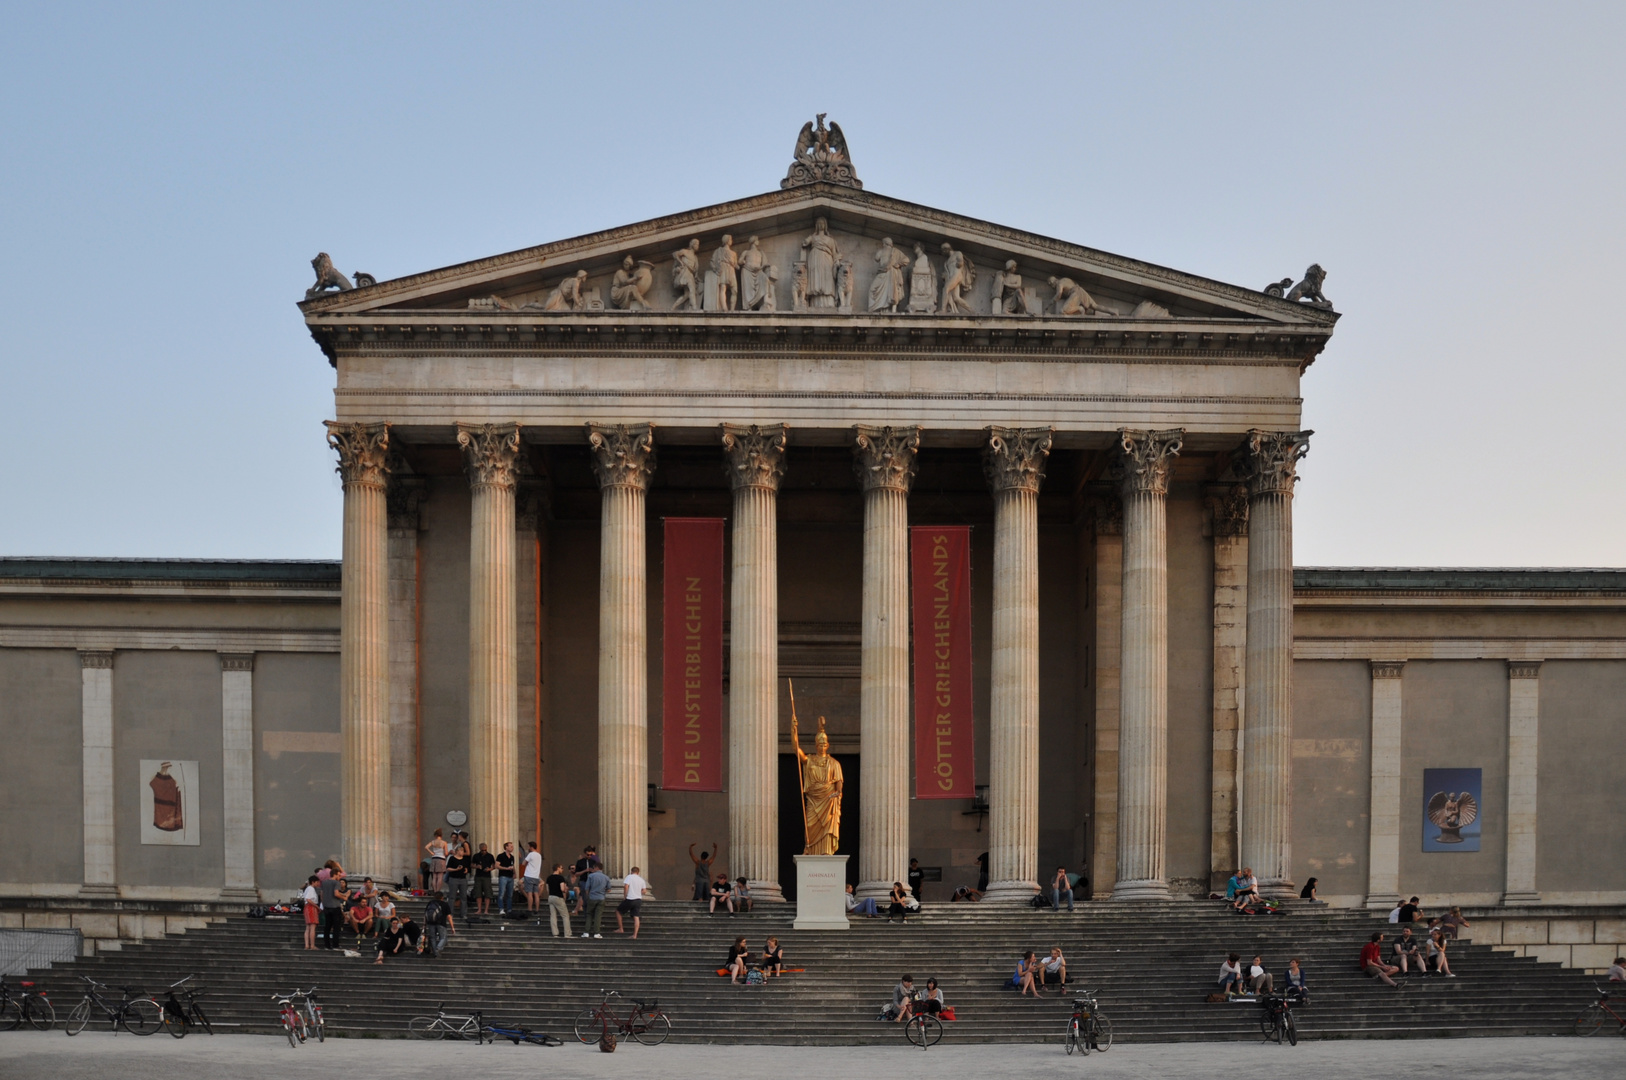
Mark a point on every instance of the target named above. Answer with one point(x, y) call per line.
point(1012, 515)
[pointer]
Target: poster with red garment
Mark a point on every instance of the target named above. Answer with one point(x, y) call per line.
point(940, 577)
point(692, 656)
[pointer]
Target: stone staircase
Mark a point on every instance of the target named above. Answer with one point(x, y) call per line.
point(1152, 963)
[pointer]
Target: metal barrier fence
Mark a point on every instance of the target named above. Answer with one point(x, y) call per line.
point(24, 949)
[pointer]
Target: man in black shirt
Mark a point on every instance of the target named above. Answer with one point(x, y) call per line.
point(583, 866)
point(1409, 910)
point(505, 879)
point(483, 862)
point(437, 921)
point(457, 878)
point(557, 888)
point(393, 941)
point(328, 888)
point(917, 877)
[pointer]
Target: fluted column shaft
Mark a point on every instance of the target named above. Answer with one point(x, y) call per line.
point(624, 461)
point(1142, 466)
point(489, 452)
point(364, 680)
point(1267, 765)
point(1013, 461)
point(885, 461)
point(755, 464)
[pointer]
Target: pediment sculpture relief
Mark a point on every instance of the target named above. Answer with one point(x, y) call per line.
point(821, 157)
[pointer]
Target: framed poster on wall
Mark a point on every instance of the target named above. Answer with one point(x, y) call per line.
point(1452, 802)
point(169, 802)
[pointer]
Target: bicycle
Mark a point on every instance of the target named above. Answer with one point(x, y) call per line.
point(135, 1014)
point(646, 1023)
point(311, 1009)
point(443, 1025)
point(1595, 1016)
point(29, 1007)
point(181, 1015)
point(923, 1029)
point(1088, 1028)
point(291, 1019)
point(517, 1035)
point(1276, 1020)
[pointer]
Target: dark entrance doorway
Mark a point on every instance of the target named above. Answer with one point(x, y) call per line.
point(793, 838)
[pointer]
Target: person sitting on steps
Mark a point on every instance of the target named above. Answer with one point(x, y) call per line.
point(721, 893)
point(865, 907)
point(1026, 969)
point(1437, 941)
point(393, 942)
point(932, 1000)
point(1230, 976)
point(899, 904)
point(741, 896)
point(1060, 887)
point(1372, 962)
point(739, 960)
point(1260, 981)
point(1053, 969)
point(903, 999)
point(1298, 990)
point(773, 958)
point(1247, 889)
point(1308, 892)
point(1408, 953)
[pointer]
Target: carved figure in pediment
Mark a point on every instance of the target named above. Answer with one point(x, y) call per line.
point(1008, 296)
point(922, 284)
point(1071, 299)
point(822, 256)
point(844, 286)
point(1148, 310)
point(567, 295)
point(629, 288)
point(958, 278)
point(757, 279)
point(725, 277)
point(886, 292)
point(821, 156)
point(686, 277)
point(1278, 288)
point(327, 277)
point(1308, 291)
point(798, 286)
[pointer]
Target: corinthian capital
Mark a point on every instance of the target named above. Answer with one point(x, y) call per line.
point(756, 455)
point(623, 454)
point(489, 452)
point(1227, 504)
point(1013, 459)
point(1141, 464)
point(884, 457)
point(1271, 460)
point(363, 451)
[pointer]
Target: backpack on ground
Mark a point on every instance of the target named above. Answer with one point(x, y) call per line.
point(606, 1042)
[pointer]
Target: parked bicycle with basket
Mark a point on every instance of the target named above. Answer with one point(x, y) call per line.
point(646, 1022)
point(1276, 1020)
point(1088, 1028)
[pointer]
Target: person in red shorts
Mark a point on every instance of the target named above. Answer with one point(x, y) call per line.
point(313, 905)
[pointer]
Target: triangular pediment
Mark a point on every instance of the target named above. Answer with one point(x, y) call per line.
point(831, 274)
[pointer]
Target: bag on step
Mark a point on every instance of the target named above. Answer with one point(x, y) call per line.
point(946, 1013)
point(1214, 999)
point(1038, 901)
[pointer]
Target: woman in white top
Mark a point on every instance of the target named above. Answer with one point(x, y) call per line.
point(311, 900)
point(383, 910)
point(438, 850)
point(932, 1000)
point(1230, 976)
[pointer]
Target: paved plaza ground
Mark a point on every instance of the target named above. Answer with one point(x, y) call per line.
point(100, 1056)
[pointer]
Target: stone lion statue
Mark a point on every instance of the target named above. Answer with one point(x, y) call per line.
point(1309, 290)
point(327, 277)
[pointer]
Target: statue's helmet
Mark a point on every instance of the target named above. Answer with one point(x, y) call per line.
point(822, 741)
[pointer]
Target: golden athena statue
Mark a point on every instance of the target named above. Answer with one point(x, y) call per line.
point(820, 775)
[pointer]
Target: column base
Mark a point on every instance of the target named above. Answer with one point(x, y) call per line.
point(99, 891)
point(880, 890)
point(240, 894)
point(766, 892)
point(1278, 890)
point(1009, 892)
point(1382, 901)
point(1143, 889)
point(1516, 898)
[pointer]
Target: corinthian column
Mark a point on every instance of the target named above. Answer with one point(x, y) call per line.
point(1267, 716)
point(623, 461)
point(756, 464)
point(1013, 462)
point(489, 452)
point(884, 458)
point(364, 677)
point(1141, 466)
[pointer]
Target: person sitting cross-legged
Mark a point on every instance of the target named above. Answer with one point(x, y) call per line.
point(1372, 962)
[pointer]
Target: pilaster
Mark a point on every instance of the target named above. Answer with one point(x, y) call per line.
point(1523, 716)
point(237, 775)
point(1383, 848)
point(1107, 519)
point(404, 501)
point(96, 723)
point(1227, 511)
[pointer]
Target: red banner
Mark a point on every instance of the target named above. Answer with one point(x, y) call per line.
point(692, 656)
point(940, 572)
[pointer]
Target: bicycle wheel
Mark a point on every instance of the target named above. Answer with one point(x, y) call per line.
point(38, 1012)
point(316, 1024)
point(11, 1014)
point(1590, 1022)
point(175, 1023)
point(1100, 1033)
point(1072, 1036)
point(587, 1027)
point(1269, 1027)
point(652, 1030)
point(426, 1027)
point(1290, 1028)
point(288, 1030)
point(143, 1016)
point(201, 1018)
point(78, 1018)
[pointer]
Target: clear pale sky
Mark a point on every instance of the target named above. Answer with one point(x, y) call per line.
point(169, 170)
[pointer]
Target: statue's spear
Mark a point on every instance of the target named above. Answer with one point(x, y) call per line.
point(796, 744)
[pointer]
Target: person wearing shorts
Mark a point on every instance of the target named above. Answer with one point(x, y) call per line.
point(633, 904)
point(483, 863)
point(531, 883)
point(313, 906)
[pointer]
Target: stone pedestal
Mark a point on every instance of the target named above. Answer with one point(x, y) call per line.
point(885, 461)
point(821, 892)
point(1013, 462)
point(755, 463)
point(623, 461)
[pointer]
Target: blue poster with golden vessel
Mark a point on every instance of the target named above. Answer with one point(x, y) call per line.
point(1452, 802)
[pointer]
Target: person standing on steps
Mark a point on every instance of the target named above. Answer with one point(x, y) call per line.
point(313, 909)
point(438, 850)
point(916, 878)
point(982, 872)
point(505, 879)
point(483, 863)
point(595, 888)
point(702, 871)
point(531, 883)
point(558, 889)
point(632, 904)
point(333, 893)
point(584, 866)
point(1061, 886)
point(437, 922)
point(457, 876)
